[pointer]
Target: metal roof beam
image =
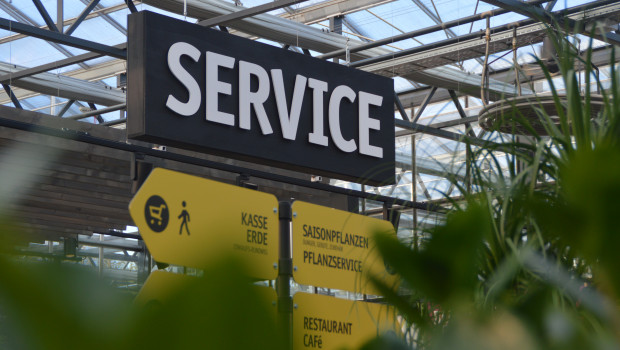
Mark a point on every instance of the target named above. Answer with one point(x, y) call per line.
point(411, 61)
point(612, 38)
point(448, 135)
point(437, 20)
point(432, 16)
point(82, 17)
point(455, 122)
point(415, 97)
point(98, 112)
point(551, 18)
point(550, 5)
point(68, 22)
point(60, 13)
point(355, 29)
point(12, 96)
point(52, 65)
point(247, 12)
point(435, 132)
point(406, 124)
point(433, 167)
point(66, 87)
point(94, 73)
point(65, 108)
point(62, 38)
point(46, 16)
point(500, 35)
point(358, 31)
point(600, 57)
point(263, 25)
point(459, 108)
point(534, 12)
point(107, 18)
point(424, 103)
point(326, 9)
point(22, 17)
point(420, 32)
point(130, 5)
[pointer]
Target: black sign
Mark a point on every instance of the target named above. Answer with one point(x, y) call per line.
point(203, 89)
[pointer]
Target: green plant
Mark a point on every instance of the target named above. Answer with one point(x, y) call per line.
point(528, 259)
point(57, 306)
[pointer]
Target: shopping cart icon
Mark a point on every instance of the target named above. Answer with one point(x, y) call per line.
point(156, 213)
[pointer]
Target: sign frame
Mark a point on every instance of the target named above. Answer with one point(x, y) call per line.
point(318, 117)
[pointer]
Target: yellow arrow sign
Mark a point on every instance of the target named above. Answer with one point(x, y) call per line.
point(191, 221)
point(333, 248)
point(324, 322)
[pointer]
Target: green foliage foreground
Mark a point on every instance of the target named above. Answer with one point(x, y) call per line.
point(529, 259)
point(49, 306)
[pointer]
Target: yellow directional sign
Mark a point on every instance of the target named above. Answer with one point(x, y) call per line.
point(191, 221)
point(333, 248)
point(324, 322)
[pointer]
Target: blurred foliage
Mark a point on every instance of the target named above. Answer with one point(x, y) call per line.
point(59, 306)
point(528, 258)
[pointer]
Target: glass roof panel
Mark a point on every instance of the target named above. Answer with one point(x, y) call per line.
point(3, 14)
point(398, 14)
point(98, 30)
point(27, 8)
point(29, 52)
point(108, 3)
point(100, 60)
point(120, 16)
point(401, 84)
point(144, 7)
point(37, 101)
point(71, 8)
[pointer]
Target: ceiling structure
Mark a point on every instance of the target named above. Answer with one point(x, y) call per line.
point(66, 59)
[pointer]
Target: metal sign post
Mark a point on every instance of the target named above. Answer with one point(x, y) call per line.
point(285, 274)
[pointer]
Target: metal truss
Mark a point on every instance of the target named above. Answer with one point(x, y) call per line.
point(23, 18)
point(59, 38)
point(248, 12)
point(470, 45)
point(438, 21)
point(69, 21)
point(545, 16)
point(419, 32)
point(331, 8)
point(100, 12)
point(63, 86)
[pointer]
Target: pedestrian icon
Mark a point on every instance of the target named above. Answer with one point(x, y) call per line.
point(156, 213)
point(185, 217)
